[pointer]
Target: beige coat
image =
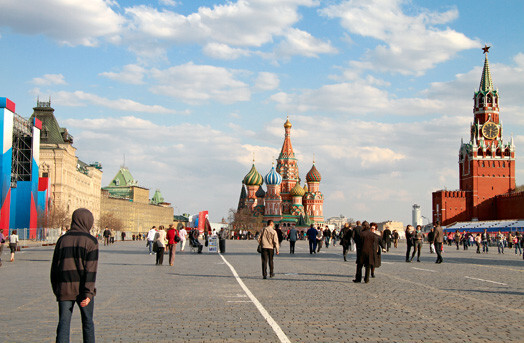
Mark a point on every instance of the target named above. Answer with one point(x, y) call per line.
point(269, 238)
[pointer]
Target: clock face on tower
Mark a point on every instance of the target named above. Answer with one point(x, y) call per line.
point(490, 130)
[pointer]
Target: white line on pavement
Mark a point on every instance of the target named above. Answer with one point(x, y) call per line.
point(498, 283)
point(426, 270)
point(280, 334)
point(239, 301)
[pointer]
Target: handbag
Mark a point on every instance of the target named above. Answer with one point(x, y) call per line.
point(177, 238)
point(155, 246)
point(259, 249)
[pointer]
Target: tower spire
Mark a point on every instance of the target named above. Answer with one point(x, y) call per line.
point(486, 84)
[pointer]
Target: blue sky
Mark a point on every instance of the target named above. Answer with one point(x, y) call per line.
point(379, 91)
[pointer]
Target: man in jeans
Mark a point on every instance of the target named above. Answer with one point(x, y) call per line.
point(438, 239)
point(73, 275)
point(485, 241)
point(268, 240)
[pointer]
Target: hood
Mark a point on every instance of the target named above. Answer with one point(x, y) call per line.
point(82, 220)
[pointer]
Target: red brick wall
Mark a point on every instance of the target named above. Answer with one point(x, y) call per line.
point(510, 206)
point(450, 207)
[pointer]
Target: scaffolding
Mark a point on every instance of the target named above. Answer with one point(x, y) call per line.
point(22, 150)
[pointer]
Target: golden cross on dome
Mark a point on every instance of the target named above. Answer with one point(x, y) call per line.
point(485, 49)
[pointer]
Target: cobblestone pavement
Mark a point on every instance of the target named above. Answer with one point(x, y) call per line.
point(469, 297)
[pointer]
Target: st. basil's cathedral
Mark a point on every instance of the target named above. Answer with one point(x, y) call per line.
point(285, 200)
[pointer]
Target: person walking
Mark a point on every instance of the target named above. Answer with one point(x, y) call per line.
point(439, 239)
point(107, 235)
point(346, 235)
point(418, 237)
point(500, 242)
point(368, 242)
point(2, 242)
point(123, 235)
point(395, 238)
point(268, 241)
point(160, 240)
point(431, 240)
point(485, 241)
point(73, 275)
point(222, 236)
point(410, 231)
point(356, 236)
point(377, 252)
point(172, 240)
point(386, 236)
point(320, 237)
point(516, 241)
point(13, 243)
point(478, 241)
point(327, 236)
point(280, 235)
point(292, 236)
point(312, 238)
point(183, 237)
point(151, 238)
point(457, 239)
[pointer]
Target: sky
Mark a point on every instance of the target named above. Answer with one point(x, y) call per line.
point(379, 92)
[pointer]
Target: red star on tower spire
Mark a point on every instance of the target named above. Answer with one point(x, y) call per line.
point(485, 49)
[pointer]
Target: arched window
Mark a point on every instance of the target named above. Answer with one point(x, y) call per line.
point(489, 99)
point(481, 101)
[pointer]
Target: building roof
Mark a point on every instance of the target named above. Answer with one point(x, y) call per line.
point(273, 178)
point(313, 175)
point(489, 225)
point(157, 198)
point(51, 132)
point(253, 178)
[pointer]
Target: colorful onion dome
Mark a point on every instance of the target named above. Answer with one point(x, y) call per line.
point(297, 191)
point(253, 178)
point(313, 175)
point(260, 192)
point(273, 178)
point(287, 124)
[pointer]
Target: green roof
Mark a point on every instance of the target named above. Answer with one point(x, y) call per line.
point(51, 132)
point(157, 198)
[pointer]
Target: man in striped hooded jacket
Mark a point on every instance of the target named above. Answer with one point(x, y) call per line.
point(73, 275)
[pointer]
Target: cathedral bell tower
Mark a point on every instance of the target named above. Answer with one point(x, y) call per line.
point(486, 163)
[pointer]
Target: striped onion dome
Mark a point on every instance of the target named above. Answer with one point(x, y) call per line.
point(273, 178)
point(260, 192)
point(253, 178)
point(313, 175)
point(297, 191)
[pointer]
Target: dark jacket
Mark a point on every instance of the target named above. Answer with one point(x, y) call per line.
point(312, 234)
point(292, 235)
point(346, 236)
point(75, 260)
point(386, 235)
point(439, 234)
point(356, 236)
point(370, 244)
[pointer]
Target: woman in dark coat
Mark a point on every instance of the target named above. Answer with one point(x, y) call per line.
point(368, 257)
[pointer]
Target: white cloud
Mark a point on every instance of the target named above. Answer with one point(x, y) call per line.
point(224, 51)
point(267, 81)
point(68, 22)
point(169, 2)
point(130, 74)
point(80, 98)
point(412, 44)
point(49, 80)
point(200, 83)
point(298, 42)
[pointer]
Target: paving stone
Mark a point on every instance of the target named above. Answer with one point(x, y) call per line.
point(312, 297)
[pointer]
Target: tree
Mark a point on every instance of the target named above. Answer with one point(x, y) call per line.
point(110, 221)
point(55, 218)
point(244, 219)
